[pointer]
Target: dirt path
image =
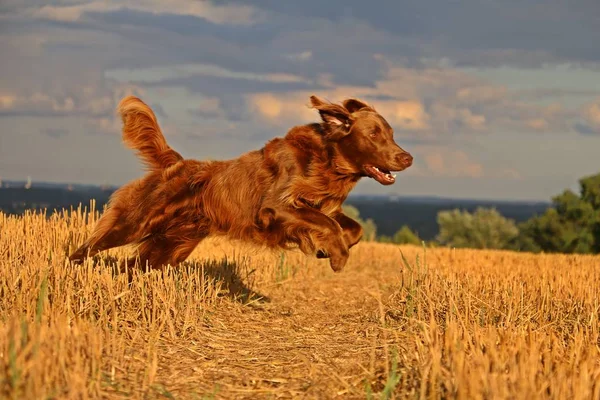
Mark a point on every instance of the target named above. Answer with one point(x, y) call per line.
point(317, 337)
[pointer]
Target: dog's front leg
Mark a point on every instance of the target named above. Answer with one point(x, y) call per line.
point(328, 237)
point(353, 231)
point(314, 232)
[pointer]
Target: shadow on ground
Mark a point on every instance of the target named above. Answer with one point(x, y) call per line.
point(236, 279)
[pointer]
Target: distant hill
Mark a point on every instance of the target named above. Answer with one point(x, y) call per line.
point(420, 213)
point(17, 200)
point(388, 213)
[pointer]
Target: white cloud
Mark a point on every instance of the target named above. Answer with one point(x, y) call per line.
point(7, 101)
point(589, 118)
point(181, 71)
point(442, 162)
point(281, 109)
point(429, 102)
point(592, 114)
point(98, 103)
point(303, 56)
point(405, 114)
point(37, 102)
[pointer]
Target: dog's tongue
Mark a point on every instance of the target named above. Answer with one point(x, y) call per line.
point(382, 176)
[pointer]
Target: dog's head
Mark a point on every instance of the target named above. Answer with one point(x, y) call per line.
point(363, 138)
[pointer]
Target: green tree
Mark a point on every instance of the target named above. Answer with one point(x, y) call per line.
point(369, 227)
point(486, 228)
point(571, 225)
point(403, 236)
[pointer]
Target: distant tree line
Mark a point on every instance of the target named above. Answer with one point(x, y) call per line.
point(570, 225)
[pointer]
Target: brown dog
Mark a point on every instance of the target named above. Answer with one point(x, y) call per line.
point(287, 194)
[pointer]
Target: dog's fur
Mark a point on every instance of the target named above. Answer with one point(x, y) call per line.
point(287, 194)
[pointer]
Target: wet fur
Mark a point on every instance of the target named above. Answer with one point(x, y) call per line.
point(287, 194)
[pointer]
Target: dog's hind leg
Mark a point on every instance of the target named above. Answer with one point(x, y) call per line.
point(111, 230)
point(158, 251)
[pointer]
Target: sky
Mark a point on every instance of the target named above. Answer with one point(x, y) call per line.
point(494, 99)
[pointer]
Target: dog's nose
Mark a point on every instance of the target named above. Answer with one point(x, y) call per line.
point(404, 159)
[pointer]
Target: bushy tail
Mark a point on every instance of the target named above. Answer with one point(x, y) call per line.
point(142, 133)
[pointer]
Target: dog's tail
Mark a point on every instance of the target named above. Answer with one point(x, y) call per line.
point(142, 133)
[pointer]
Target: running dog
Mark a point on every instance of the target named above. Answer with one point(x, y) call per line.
point(288, 194)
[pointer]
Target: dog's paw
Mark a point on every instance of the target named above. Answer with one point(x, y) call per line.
point(338, 263)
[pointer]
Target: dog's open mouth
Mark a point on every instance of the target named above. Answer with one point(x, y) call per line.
point(382, 176)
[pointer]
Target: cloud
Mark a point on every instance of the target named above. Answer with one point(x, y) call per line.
point(425, 103)
point(592, 114)
point(219, 14)
point(480, 92)
point(452, 118)
point(292, 52)
point(590, 119)
point(540, 94)
point(277, 45)
point(405, 114)
point(470, 32)
point(36, 104)
point(281, 110)
point(537, 124)
point(160, 74)
point(451, 163)
point(7, 101)
point(302, 56)
point(94, 102)
point(434, 161)
point(209, 107)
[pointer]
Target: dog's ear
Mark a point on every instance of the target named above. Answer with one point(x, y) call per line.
point(335, 117)
point(353, 105)
point(316, 102)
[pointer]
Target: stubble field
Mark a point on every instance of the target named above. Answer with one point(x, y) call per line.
point(238, 322)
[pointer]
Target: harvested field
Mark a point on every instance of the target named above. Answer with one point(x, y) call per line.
point(238, 322)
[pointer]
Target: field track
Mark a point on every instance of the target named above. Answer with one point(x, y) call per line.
point(237, 322)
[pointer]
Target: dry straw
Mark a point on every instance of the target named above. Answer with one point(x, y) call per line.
point(238, 322)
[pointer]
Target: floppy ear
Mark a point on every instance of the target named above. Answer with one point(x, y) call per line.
point(353, 105)
point(334, 116)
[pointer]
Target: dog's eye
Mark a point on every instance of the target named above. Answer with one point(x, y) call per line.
point(374, 132)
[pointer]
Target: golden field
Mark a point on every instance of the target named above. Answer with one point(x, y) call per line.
point(239, 322)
